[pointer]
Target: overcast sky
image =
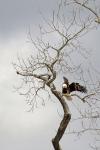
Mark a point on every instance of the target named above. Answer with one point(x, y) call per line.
point(19, 129)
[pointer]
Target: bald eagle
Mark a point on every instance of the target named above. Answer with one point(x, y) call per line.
point(68, 88)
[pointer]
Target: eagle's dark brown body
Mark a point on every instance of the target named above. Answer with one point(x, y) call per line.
point(68, 88)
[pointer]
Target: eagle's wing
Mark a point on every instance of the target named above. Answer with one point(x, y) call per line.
point(77, 87)
point(65, 80)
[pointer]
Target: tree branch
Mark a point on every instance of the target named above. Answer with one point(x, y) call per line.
point(33, 75)
point(53, 57)
point(85, 97)
point(90, 9)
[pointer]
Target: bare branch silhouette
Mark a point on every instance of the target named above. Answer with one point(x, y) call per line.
point(53, 53)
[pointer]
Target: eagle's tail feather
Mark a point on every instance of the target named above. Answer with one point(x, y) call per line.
point(67, 96)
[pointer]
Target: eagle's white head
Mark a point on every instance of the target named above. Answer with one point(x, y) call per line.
point(64, 85)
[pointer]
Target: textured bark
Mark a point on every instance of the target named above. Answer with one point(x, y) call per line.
point(60, 132)
point(64, 122)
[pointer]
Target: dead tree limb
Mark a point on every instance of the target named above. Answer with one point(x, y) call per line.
point(52, 58)
point(64, 122)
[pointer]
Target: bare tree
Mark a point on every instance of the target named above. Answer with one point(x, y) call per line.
point(51, 58)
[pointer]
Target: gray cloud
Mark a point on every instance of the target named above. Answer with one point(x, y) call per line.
point(16, 15)
point(20, 130)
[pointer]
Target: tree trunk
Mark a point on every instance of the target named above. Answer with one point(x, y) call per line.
point(64, 122)
point(61, 131)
